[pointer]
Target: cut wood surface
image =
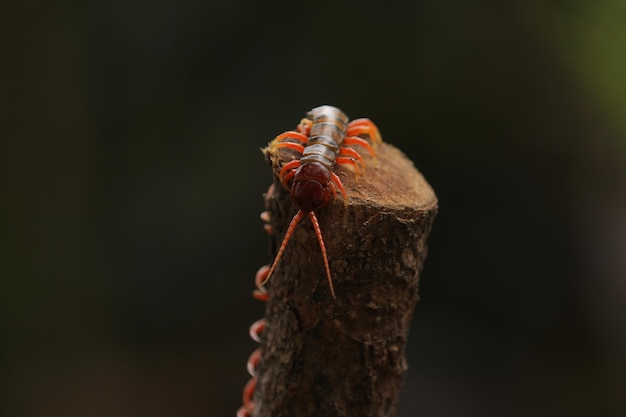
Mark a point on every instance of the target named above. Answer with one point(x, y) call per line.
point(345, 356)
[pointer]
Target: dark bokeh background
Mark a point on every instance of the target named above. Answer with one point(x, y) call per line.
point(131, 134)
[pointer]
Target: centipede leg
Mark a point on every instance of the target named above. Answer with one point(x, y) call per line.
point(265, 216)
point(290, 135)
point(289, 177)
point(243, 412)
point(253, 362)
point(364, 127)
point(248, 392)
point(292, 145)
point(257, 329)
point(345, 151)
point(284, 176)
point(343, 160)
point(355, 140)
point(338, 184)
point(305, 126)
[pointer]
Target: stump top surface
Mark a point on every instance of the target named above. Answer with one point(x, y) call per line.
point(390, 181)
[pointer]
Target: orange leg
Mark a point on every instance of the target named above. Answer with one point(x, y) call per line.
point(291, 135)
point(296, 146)
point(337, 183)
point(242, 412)
point(288, 177)
point(360, 121)
point(253, 362)
point(343, 160)
point(364, 127)
point(345, 151)
point(257, 329)
point(265, 216)
point(260, 293)
point(248, 392)
point(261, 273)
point(355, 140)
point(284, 176)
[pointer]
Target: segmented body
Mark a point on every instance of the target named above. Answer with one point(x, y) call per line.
point(327, 130)
point(322, 140)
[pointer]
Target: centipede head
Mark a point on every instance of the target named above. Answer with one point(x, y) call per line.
point(312, 186)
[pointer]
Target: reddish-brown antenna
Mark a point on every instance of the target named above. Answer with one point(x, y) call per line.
point(318, 232)
point(294, 222)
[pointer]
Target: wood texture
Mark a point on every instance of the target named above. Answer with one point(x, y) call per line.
point(346, 356)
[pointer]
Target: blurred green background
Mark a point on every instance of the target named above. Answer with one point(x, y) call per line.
point(132, 131)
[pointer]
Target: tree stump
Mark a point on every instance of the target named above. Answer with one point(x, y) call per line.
point(345, 357)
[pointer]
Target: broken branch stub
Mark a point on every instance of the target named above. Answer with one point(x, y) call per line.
point(345, 357)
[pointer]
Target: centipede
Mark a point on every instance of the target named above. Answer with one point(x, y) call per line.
point(324, 139)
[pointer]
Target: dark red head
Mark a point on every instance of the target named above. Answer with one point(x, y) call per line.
point(312, 187)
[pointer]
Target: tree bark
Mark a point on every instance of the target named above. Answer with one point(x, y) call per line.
point(346, 356)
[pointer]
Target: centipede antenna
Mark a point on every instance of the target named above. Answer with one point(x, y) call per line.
point(294, 222)
point(318, 233)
